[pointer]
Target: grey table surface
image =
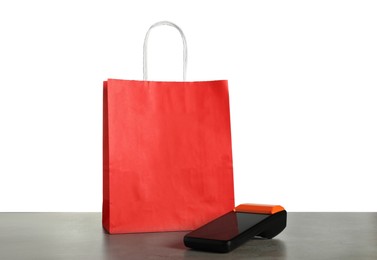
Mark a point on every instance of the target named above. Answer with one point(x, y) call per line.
point(80, 236)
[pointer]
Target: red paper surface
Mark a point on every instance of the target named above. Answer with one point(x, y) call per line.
point(167, 152)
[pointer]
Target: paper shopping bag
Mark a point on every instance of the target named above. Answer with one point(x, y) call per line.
point(167, 155)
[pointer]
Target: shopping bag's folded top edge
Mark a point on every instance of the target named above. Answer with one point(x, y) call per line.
point(168, 82)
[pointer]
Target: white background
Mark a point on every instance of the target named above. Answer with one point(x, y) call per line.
point(302, 81)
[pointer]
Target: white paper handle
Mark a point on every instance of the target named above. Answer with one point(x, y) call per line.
point(145, 65)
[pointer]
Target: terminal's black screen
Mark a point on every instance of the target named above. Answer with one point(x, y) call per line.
point(228, 226)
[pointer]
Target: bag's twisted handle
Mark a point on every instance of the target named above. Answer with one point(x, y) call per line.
point(145, 65)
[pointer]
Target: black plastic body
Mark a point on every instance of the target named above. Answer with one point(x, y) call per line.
point(233, 229)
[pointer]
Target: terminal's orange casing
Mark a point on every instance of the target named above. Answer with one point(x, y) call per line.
point(258, 208)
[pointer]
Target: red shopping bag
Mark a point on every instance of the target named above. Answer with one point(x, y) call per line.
point(167, 156)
